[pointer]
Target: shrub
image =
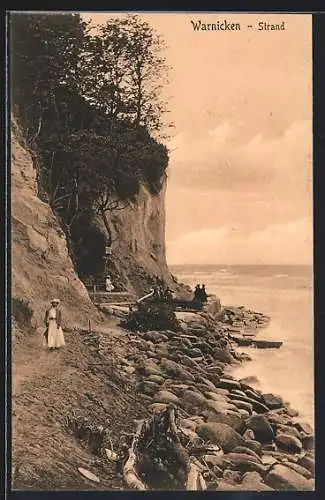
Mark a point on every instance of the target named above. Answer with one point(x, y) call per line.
point(154, 315)
point(22, 312)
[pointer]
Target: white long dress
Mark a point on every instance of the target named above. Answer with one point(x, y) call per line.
point(55, 333)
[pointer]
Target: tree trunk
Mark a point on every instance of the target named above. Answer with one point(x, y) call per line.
point(107, 227)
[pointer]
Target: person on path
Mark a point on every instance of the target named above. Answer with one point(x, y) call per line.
point(54, 333)
point(108, 284)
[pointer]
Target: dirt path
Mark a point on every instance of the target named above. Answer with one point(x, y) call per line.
point(47, 388)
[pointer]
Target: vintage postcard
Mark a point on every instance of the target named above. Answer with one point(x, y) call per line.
point(162, 251)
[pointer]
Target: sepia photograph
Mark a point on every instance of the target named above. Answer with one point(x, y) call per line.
point(161, 171)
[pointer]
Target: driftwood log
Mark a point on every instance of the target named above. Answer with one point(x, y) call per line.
point(157, 459)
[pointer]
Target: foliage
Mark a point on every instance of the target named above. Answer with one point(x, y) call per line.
point(89, 104)
point(22, 312)
point(152, 315)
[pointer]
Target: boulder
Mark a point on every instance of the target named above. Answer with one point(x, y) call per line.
point(193, 398)
point(229, 384)
point(166, 397)
point(187, 424)
point(216, 396)
point(157, 379)
point(304, 427)
point(176, 370)
point(262, 429)
point(253, 481)
point(128, 369)
point(222, 355)
point(246, 463)
point(247, 451)
point(300, 470)
point(308, 462)
point(281, 477)
point(218, 406)
point(308, 442)
point(288, 443)
point(149, 367)
point(234, 420)
point(149, 388)
point(249, 380)
point(256, 405)
point(233, 476)
point(203, 380)
point(221, 434)
point(254, 445)
point(271, 401)
point(244, 405)
point(158, 407)
point(287, 429)
point(155, 337)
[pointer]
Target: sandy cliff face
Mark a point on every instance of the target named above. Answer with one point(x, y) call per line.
point(41, 266)
point(138, 248)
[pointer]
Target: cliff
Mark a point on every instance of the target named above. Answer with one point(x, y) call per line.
point(41, 265)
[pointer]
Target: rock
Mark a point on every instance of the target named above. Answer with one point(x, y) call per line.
point(234, 420)
point(218, 406)
point(176, 370)
point(254, 445)
point(256, 405)
point(155, 337)
point(249, 380)
point(308, 462)
point(308, 442)
point(277, 418)
point(289, 443)
point(261, 427)
point(158, 407)
point(303, 427)
point(243, 405)
point(247, 451)
point(129, 369)
point(286, 429)
point(166, 397)
point(149, 367)
point(188, 424)
point(227, 486)
point(237, 392)
point(193, 399)
point(161, 351)
point(229, 384)
point(233, 476)
point(300, 470)
point(221, 434)
point(210, 385)
point(216, 396)
point(268, 460)
point(191, 435)
point(222, 355)
point(148, 388)
point(194, 352)
point(273, 402)
point(213, 460)
point(178, 389)
point(281, 477)
point(157, 379)
point(253, 481)
point(246, 463)
point(292, 412)
point(243, 413)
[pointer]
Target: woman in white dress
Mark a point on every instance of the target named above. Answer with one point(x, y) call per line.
point(54, 332)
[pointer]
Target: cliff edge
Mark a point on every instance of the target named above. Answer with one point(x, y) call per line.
point(41, 265)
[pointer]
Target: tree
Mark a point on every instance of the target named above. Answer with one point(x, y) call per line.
point(45, 51)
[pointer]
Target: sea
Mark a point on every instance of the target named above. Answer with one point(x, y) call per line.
point(285, 293)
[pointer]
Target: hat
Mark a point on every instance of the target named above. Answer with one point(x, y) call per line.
point(55, 301)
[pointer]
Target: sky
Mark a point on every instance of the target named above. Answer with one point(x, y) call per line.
point(240, 172)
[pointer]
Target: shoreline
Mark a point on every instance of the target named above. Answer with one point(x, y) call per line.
point(193, 371)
